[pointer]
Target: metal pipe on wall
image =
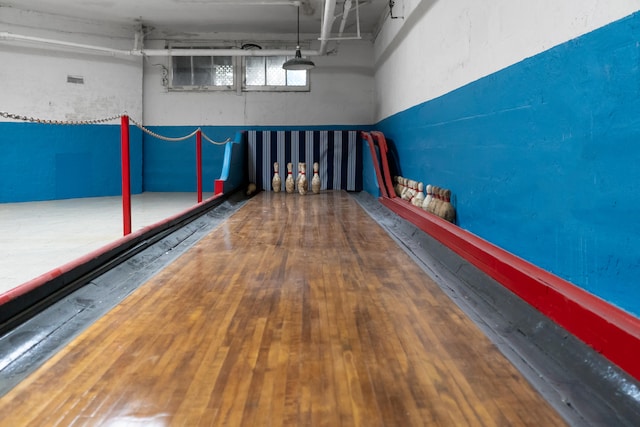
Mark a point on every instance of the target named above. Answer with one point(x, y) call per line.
point(326, 25)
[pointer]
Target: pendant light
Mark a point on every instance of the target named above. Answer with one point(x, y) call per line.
point(298, 62)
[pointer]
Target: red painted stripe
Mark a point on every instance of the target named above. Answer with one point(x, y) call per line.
point(50, 275)
point(607, 329)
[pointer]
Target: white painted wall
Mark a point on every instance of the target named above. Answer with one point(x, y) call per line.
point(441, 45)
point(33, 77)
point(34, 81)
point(341, 94)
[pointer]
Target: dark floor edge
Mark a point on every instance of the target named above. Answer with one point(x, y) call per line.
point(26, 347)
point(583, 386)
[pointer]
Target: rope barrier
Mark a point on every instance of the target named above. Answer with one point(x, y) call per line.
point(7, 115)
point(180, 138)
point(164, 138)
point(56, 122)
point(215, 142)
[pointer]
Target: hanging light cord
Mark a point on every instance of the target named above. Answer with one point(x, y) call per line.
point(298, 44)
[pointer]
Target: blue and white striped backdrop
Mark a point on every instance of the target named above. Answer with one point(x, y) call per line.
point(339, 154)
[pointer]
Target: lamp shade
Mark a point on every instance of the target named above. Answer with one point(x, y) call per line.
point(298, 62)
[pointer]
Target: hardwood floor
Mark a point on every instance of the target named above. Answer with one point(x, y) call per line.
point(298, 310)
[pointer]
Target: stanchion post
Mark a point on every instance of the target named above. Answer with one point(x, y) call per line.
point(199, 163)
point(126, 175)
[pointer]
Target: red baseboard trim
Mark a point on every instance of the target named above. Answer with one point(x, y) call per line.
point(609, 330)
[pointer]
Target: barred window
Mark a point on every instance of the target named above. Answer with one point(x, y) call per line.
point(266, 73)
point(254, 73)
point(202, 72)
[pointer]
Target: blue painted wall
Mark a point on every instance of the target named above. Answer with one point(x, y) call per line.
point(48, 162)
point(543, 158)
point(171, 166)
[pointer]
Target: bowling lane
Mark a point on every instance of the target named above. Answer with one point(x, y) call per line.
point(297, 310)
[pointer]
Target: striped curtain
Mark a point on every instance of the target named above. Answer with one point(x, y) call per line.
point(339, 154)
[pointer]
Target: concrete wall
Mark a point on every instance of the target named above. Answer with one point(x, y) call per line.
point(44, 162)
point(528, 113)
point(341, 94)
point(440, 46)
point(34, 76)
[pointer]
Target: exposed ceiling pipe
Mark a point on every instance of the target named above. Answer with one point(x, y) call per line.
point(39, 40)
point(221, 52)
point(326, 25)
point(345, 15)
point(153, 52)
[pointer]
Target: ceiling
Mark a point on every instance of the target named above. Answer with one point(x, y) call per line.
point(175, 18)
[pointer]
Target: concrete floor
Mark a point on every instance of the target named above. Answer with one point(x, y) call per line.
point(37, 237)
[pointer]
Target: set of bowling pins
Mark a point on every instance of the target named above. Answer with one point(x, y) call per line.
point(301, 182)
point(436, 201)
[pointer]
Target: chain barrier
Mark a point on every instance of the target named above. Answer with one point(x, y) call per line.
point(7, 115)
point(56, 122)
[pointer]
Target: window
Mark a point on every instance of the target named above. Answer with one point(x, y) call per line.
point(266, 73)
point(259, 73)
point(202, 72)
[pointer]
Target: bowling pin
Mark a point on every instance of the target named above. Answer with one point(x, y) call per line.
point(448, 212)
point(412, 191)
point(315, 181)
point(403, 191)
point(407, 191)
point(418, 199)
point(437, 209)
point(298, 176)
point(303, 184)
point(276, 182)
point(289, 184)
point(434, 198)
point(439, 200)
point(427, 200)
point(400, 186)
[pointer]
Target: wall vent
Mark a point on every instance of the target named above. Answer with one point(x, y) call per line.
point(75, 79)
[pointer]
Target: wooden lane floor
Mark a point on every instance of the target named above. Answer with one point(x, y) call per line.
point(297, 310)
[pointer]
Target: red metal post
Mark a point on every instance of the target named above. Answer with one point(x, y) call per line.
point(126, 175)
point(199, 163)
point(218, 187)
